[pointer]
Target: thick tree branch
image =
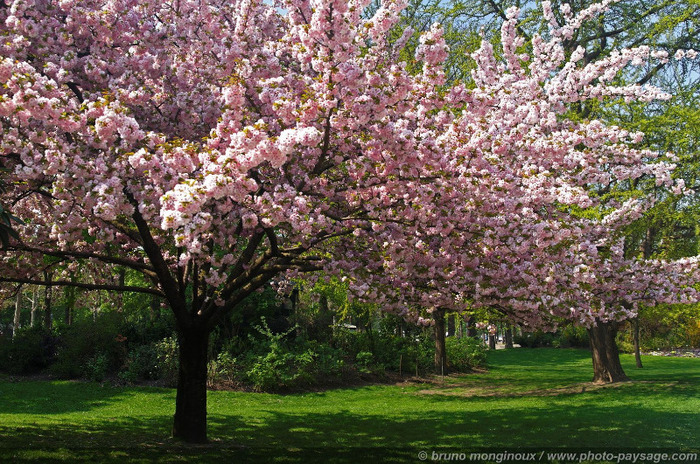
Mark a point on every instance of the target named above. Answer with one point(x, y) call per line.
point(167, 282)
point(141, 267)
point(68, 283)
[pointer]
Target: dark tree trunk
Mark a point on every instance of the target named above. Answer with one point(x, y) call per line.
point(606, 358)
point(440, 350)
point(635, 338)
point(509, 337)
point(451, 325)
point(492, 342)
point(70, 304)
point(190, 423)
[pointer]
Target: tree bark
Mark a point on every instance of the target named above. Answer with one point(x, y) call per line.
point(606, 357)
point(35, 305)
point(440, 350)
point(190, 422)
point(492, 342)
point(635, 338)
point(451, 325)
point(18, 312)
point(47, 300)
point(509, 337)
point(69, 293)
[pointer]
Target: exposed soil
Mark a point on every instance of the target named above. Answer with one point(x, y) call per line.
point(468, 391)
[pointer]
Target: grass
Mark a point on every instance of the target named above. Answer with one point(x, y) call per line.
point(528, 400)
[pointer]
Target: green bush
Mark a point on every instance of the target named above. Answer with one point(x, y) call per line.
point(141, 364)
point(464, 354)
point(364, 360)
point(389, 351)
point(537, 339)
point(97, 367)
point(82, 343)
point(280, 369)
point(224, 370)
point(30, 351)
point(167, 354)
point(328, 361)
point(571, 337)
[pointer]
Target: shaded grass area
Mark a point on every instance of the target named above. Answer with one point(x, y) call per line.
point(528, 400)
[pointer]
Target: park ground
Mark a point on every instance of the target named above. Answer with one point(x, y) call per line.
point(529, 400)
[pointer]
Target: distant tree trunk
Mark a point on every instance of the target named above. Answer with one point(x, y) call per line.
point(492, 342)
point(635, 338)
point(471, 328)
point(323, 324)
point(440, 350)
point(509, 337)
point(18, 312)
point(451, 325)
point(70, 304)
point(647, 251)
point(47, 300)
point(35, 306)
point(121, 281)
point(399, 328)
point(190, 423)
point(606, 357)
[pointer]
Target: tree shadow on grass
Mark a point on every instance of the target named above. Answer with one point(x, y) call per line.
point(344, 436)
point(60, 397)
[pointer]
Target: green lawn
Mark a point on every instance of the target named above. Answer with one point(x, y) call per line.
point(528, 400)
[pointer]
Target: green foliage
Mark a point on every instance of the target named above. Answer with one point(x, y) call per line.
point(141, 364)
point(168, 360)
point(280, 369)
point(97, 367)
point(536, 339)
point(82, 343)
point(364, 360)
point(223, 370)
point(664, 327)
point(30, 351)
point(571, 336)
point(465, 354)
point(275, 362)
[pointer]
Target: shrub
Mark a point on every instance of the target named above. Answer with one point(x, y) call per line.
point(224, 370)
point(30, 351)
point(364, 360)
point(464, 354)
point(83, 342)
point(141, 364)
point(537, 339)
point(167, 355)
point(97, 367)
point(571, 337)
point(328, 361)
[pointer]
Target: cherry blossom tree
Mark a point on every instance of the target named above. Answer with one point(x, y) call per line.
point(209, 145)
point(214, 145)
point(511, 227)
